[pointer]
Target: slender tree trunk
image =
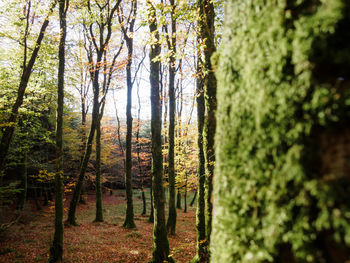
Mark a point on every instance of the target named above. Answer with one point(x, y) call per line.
point(178, 199)
point(194, 198)
point(36, 198)
point(151, 215)
point(160, 239)
point(144, 204)
point(171, 224)
point(202, 255)
point(185, 195)
point(82, 199)
point(23, 194)
point(206, 24)
point(99, 211)
point(27, 71)
point(88, 147)
point(129, 219)
point(56, 250)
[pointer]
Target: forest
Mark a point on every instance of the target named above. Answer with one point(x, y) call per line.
point(175, 131)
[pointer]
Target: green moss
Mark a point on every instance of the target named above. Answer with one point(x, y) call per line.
point(283, 80)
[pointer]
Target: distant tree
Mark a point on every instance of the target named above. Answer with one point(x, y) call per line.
point(104, 25)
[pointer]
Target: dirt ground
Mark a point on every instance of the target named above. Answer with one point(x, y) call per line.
point(29, 240)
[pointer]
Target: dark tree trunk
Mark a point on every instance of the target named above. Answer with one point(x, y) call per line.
point(207, 32)
point(99, 211)
point(27, 71)
point(56, 250)
point(160, 239)
point(144, 205)
point(151, 215)
point(129, 219)
point(185, 195)
point(82, 198)
point(95, 69)
point(88, 147)
point(171, 224)
point(194, 198)
point(178, 199)
point(202, 255)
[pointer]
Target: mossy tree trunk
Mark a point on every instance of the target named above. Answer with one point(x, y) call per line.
point(160, 239)
point(171, 223)
point(207, 32)
point(56, 250)
point(283, 133)
point(201, 255)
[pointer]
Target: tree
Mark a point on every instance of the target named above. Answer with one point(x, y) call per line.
point(206, 34)
point(160, 239)
point(171, 223)
point(282, 120)
point(105, 23)
point(202, 254)
point(128, 34)
point(25, 75)
point(56, 249)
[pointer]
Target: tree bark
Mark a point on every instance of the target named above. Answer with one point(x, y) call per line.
point(99, 211)
point(207, 32)
point(194, 198)
point(171, 224)
point(178, 199)
point(95, 69)
point(160, 239)
point(129, 218)
point(202, 255)
point(56, 250)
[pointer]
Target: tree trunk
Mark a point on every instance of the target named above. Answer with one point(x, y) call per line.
point(171, 224)
point(151, 215)
point(129, 219)
point(185, 195)
point(88, 147)
point(99, 211)
point(160, 239)
point(202, 255)
point(207, 32)
point(193, 199)
point(178, 199)
point(82, 198)
point(56, 250)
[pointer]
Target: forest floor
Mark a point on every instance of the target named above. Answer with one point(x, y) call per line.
point(29, 240)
